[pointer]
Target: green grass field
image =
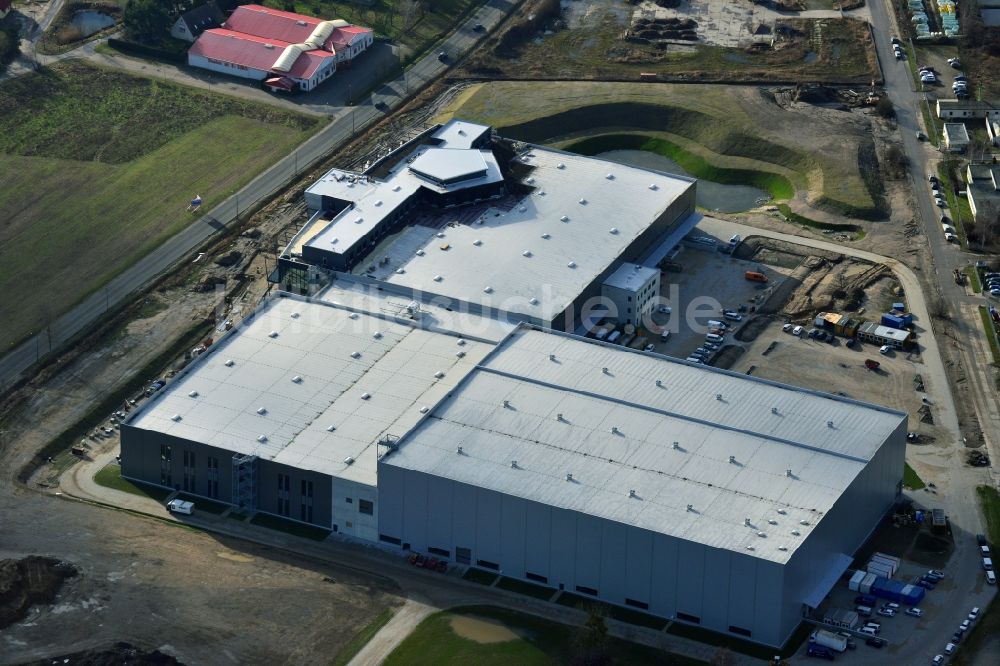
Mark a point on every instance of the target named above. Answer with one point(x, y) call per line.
point(990, 331)
point(911, 479)
point(348, 652)
point(716, 132)
point(415, 25)
point(533, 641)
point(98, 167)
point(110, 476)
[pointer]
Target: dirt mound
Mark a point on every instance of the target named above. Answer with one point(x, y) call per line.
point(121, 654)
point(32, 580)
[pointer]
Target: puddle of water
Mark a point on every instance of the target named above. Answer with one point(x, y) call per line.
point(482, 630)
point(88, 22)
point(810, 57)
point(712, 196)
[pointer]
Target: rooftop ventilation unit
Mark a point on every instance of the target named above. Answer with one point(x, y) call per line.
point(272, 334)
point(529, 180)
point(261, 438)
point(546, 236)
point(348, 460)
point(262, 410)
point(746, 521)
point(583, 202)
point(772, 521)
point(782, 548)
point(610, 176)
point(396, 188)
point(506, 404)
point(268, 46)
point(803, 522)
point(300, 22)
point(513, 464)
point(829, 424)
point(571, 264)
point(732, 459)
point(355, 354)
point(460, 342)
point(613, 231)
point(488, 290)
point(353, 315)
point(614, 430)
point(333, 241)
point(751, 548)
point(522, 208)
point(193, 394)
point(175, 417)
point(440, 234)
point(477, 242)
point(788, 473)
point(460, 354)
point(229, 363)
point(459, 450)
point(605, 371)
point(295, 315)
point(419, 253)
point(559, 416)
point(690, 507)
point(359, 220)
point(331, 428)
point(378, 203)
point(631, 493)
point(424, 409)
point(560, 166)
point(366, 396)
point(718, 396)
point(526, 253)
point(552, 357)
point(653, 186)
point(533, 300)
point(377, 335)
point(774, 410)
point(564, 218)
point(762, 535)
point(782, 511)
point(676, 446)
point(569, 477)
point(297, 379)
point(439, 374)
point(659, 383)
point(796, 533)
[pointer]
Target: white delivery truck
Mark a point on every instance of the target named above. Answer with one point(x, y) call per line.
point(180, 506)
point(829, 639)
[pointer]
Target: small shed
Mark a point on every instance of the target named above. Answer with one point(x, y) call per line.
point(191, 24)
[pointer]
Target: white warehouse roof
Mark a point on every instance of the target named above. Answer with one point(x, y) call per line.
point(630, 277)
point(596, 412)
point(289, 385)
point(535, 258)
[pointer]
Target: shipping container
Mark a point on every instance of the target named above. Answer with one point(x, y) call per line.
point(891, 558)
point(829, 639)
point(855, 584)
point(866, 584)
point(892, 321)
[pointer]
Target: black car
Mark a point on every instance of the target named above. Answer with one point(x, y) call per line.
point(981, 539)
point(956, 637)
point(479, 27)
point(876, 642)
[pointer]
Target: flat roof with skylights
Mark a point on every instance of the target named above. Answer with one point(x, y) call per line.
point(710, 456)
point(535, 256)
point(312, 385)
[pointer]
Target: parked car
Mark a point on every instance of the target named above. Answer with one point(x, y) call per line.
point(664, 309)
point(892, 605)
point(876, 642)
point(936, 573)
point(921, 136)
point(884, 349)
point(895, 40)
point(949, 648)
point(786, 328)
point(886, 612)
point(974, 613)
point(442, 56)
point(797, 330)
point(937, 660)
point(914, 612)
point(820, 651)
point(479, 27)
point(852, 343)
point(924, 584)
point(956, 637)
point(965, 625)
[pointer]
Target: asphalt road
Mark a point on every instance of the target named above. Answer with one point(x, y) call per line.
point(347, 121)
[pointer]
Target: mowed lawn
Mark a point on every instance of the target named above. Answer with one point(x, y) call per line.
point(499, 637)
point(97, 169)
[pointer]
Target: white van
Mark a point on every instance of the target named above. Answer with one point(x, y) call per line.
point(863, 611)
point(868, 631)
point(714, 323)
point(988, 564)
point(180, 506)
point(712, 337)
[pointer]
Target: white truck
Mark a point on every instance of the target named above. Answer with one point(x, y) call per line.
point(829, 639)
point(180, 506)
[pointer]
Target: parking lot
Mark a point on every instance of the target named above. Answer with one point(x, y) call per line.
point(707, 282)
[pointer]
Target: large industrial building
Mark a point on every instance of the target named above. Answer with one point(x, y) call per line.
point(478, 434)
point(457, 215)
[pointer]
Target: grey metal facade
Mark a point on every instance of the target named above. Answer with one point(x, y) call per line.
point(722, 590)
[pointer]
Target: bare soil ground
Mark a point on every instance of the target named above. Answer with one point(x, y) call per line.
point(120, 653)
point(29, 581)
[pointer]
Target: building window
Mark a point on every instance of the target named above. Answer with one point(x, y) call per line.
point(284, 483)
point(586, 590)
point(438, 551)
point(366, 507)
point(306, 501)
point(189, 472)
point(213, 478)
point(685, 617)
point(165, 472)
point(638, 604)
point(463, 555)
point(349, 500)
point(486, 564)
point(741, 631)
point(389, 539)
point(535, 577)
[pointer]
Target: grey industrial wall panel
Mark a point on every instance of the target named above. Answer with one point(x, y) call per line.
point(439, 504)
point(267, 492)
point(719, 587)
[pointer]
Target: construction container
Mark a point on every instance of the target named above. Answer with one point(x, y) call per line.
point(892, 321)
point(899, 306)
point(879, 569)
point(866, 584)
point(855, 583)
point(890, 558)
point(939, 522)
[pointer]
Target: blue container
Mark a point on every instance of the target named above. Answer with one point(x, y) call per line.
point(919, 517)
point(899, 306)
point(907, 319)
point(892, 321)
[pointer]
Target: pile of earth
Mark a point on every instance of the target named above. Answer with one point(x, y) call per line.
point(28, 581)
point(122, 654)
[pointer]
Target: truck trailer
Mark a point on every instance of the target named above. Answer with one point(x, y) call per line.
point(829, 639)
